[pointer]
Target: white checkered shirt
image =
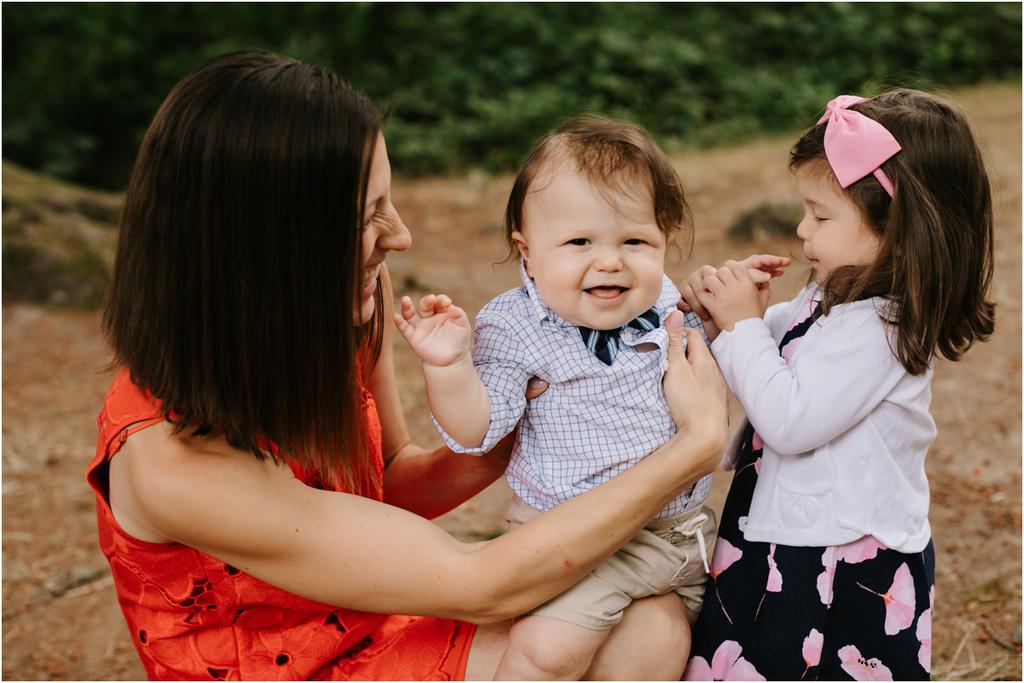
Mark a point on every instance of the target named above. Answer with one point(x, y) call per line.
point(594, 421)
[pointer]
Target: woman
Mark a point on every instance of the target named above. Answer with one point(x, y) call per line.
point(247, 312)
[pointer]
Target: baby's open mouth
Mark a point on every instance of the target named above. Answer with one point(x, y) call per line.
point(606, 292)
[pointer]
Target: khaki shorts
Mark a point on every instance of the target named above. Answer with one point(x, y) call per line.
point(663, 557)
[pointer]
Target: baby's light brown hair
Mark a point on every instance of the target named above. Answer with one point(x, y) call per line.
point(617, 157)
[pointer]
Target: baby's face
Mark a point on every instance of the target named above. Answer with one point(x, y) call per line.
point(597, 258)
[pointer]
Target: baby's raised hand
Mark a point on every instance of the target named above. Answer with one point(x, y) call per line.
point(438, 331)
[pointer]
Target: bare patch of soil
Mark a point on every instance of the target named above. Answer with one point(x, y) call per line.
point(60, 616)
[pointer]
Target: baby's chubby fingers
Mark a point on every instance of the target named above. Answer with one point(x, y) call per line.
point(425, 307)
point(689, 303)
point(442, 303)
point(456, 314)
point(691, 290)
point(711, 284)
point(403, 325)
point(407, 310)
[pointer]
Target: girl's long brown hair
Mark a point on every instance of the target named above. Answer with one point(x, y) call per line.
point(238, 264)
point(934, 261)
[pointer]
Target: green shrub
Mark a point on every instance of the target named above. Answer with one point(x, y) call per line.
point(475, 84)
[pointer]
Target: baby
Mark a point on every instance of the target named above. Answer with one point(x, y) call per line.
point(591, 214)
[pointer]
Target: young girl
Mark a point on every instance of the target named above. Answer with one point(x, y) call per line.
point(824, 568)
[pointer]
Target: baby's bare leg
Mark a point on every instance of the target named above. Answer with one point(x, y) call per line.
point(652, 643)
point(546, 649)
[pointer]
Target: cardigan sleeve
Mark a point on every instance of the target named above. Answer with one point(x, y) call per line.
point(831, 385)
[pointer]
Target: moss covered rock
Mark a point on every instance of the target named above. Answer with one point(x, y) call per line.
point(58, 240)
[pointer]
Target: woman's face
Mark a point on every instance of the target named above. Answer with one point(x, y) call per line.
point(383, 229)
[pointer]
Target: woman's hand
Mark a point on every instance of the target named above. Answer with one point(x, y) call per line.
point(694, 387)
point(438, 331)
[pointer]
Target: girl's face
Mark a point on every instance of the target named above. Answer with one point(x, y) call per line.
point(383, 230)
point(833, 229)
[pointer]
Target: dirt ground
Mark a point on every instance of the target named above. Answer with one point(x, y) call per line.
point(60, 616)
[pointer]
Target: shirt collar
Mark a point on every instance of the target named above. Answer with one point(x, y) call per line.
point(666, 302)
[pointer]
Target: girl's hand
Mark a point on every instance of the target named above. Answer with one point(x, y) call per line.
point(438, 331)
point(731, 294)
point(761, 268)
point(694, 388)
point(759, 265)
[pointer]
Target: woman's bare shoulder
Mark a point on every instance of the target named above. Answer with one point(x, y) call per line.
point(163, 484)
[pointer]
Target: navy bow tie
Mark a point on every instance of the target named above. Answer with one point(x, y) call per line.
point(605, 343)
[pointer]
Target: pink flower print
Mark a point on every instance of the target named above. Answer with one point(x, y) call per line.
point(774, 575)
point(864, 548)
point(774, 583)
point(725, 554)
point(863, 669)
point(812, 649)
point(924, 633)
point(726, 665)
point(826, 578)
point(757, 443)
point(899, 601)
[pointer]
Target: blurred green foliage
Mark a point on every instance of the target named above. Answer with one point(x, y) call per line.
point(475, 84)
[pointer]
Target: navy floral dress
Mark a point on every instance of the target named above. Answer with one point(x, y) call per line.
point(858, 611)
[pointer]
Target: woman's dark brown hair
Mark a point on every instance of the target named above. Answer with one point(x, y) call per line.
point(235, 285)
point(616, 156)
point(934, 261)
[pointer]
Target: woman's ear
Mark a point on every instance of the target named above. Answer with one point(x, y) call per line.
point(524, 249)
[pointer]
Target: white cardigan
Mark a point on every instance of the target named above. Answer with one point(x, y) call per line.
point(845, 427)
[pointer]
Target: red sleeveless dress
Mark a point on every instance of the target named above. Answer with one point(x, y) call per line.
point(194, 617)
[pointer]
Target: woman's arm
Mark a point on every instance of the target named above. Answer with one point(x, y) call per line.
point(345, 550)
point(429, 483)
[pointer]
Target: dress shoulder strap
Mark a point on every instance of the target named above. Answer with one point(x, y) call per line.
point(126, 410)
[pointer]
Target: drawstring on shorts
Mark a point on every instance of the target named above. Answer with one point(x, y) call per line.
point(694, 526)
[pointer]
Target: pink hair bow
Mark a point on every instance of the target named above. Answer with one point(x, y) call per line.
point(856, 145)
